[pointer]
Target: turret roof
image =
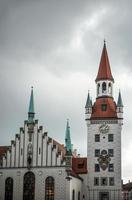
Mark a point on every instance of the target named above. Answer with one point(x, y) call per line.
point(104, 71)
point(119, 102)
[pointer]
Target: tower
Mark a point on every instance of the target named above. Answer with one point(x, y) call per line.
point(104, 123)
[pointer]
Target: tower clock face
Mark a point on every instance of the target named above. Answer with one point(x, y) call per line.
point(104, 128)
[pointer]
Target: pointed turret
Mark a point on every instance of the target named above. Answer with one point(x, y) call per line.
point(88, 107)
point(104, 106)
point(68, 139)
point(104, 72)
point(31, 112)
point(119, 107)
point(88, 102)
point(119, 102)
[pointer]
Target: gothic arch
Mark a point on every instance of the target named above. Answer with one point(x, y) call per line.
point(49, 188)
point(9, 189)
point(103, 87)
point(29, 186)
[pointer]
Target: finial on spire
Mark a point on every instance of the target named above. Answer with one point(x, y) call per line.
point(31, 112)
point(104, 42)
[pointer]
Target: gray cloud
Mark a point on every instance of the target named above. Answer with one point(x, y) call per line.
point(56, 46)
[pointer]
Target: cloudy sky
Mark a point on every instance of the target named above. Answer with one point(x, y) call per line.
point(55, 46)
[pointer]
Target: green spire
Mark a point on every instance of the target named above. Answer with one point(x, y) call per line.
point(31, 112)
point(68, 139)
point(119, 102)
point(89, 101)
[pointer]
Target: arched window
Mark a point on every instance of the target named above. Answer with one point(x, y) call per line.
point(49, 188)
point(103, 87)
point(79, 195)
point(98, 88)
point(9, 189)
point(73, 194)
point(110, 88)
point(29, 186)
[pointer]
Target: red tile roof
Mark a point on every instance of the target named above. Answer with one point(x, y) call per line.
point(3, 149)
point(61, 147)
point(79, 165)
point(110, 111)
point(104, 71)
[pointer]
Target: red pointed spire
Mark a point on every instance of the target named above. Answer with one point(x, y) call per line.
point(104, 71)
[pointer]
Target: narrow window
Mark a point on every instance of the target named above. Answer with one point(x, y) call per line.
point(103, 87)
point(9, 189)
point(79, 195)
point(73, 194)
point(97, 138)
point(103, 180)
point(111, 152)
point(104, 107)
point(97, 168)
point(111, 181)
point(97, 152)
point(111, 167)
point(49, 188)
point(110, 137)
point(96, 180)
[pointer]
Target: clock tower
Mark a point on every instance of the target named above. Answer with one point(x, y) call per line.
point(104, 121)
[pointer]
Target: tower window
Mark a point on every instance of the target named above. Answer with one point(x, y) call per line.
point(96, 180)
point(103, 87)
point(104, 107)
point(98, 88)
point(97, 138)
point(111, 167)
point(97, 152)
point(111, 152)
point(97, 168)
point(110, 138)
point(110, 89)
point(111, 181)
point(104, 181)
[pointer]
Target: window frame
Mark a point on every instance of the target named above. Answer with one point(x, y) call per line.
point(111, 167)
point(97, 152)
point(49, 187)
point(111, 181)
point(96, 181)
point(111, 154)
point(106, 179)
point(96, 167)
point(97, 136)
point(110, 137)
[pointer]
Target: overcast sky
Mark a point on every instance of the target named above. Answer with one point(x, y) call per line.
point(55, 46)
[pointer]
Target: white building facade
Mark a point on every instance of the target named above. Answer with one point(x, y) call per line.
point(36, 167)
